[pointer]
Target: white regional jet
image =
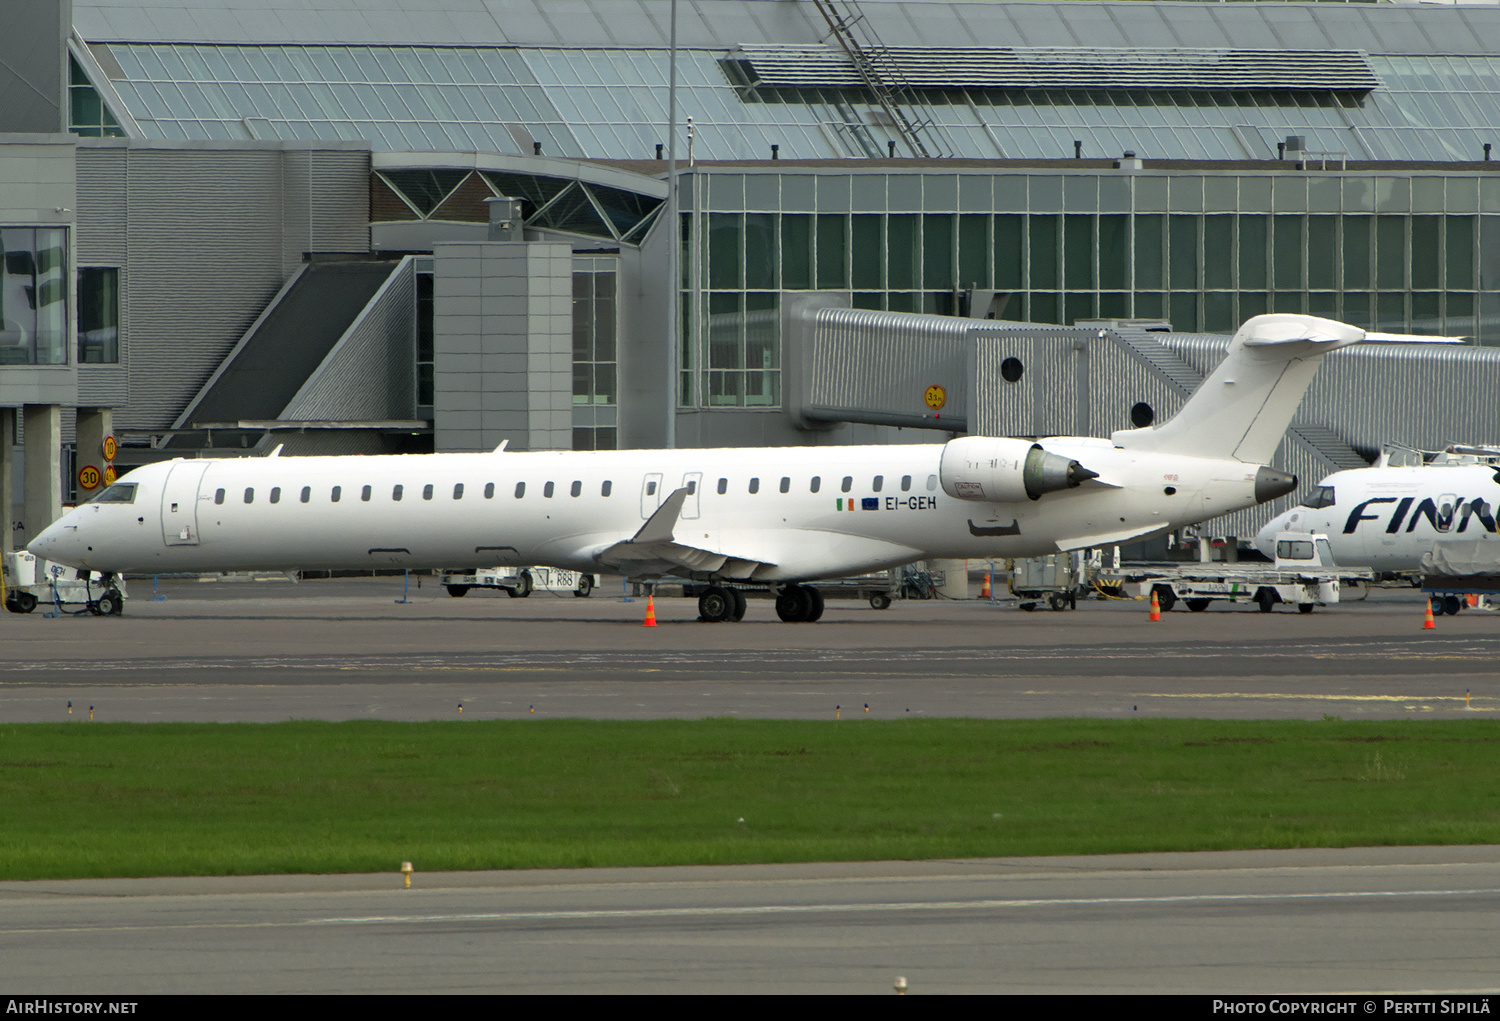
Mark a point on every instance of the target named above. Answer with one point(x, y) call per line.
point(1386, 518)
point(778, 517)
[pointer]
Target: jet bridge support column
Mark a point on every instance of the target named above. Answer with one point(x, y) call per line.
point(43, 468)
point(7, 478)
point(94, 424)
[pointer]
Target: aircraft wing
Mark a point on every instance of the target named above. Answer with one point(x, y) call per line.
point(655, 549)
point(1107, 538)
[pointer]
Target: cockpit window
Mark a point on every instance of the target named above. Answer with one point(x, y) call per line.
point(120, 492)
point(1321, 497)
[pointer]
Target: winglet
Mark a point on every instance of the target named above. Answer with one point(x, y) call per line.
point(501, 447)
point(658, 527)
point(277, 451)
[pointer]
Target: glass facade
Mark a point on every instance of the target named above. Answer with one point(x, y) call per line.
point(88, 114)
point(595, 355)
point(611, 103)
point(1417, 253)
point(33, 296)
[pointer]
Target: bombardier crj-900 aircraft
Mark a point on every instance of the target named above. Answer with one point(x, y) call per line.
point(777, 517)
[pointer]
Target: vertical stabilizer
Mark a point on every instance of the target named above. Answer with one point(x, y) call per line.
point(1243, 409)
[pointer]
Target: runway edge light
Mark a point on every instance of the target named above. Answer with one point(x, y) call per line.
point(406, 870)
point(900, 985)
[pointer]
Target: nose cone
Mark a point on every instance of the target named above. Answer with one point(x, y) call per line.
point(1265, 539)
point(57, 543)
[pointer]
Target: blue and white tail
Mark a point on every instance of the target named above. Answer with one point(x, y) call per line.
point(1243, 409)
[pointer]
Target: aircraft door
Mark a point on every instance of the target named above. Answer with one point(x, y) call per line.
point(651, 495)
point(693, 483)
point(179, 504)
point(1447, 506)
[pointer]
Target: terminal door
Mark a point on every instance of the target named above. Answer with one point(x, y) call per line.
point(179, 504)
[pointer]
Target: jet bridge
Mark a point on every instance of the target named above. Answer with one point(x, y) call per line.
point(999, 378)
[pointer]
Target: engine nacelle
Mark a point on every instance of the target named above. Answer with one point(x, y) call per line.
point(999, 470)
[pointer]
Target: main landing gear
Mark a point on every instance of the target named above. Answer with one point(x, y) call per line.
point(717, 604)
point(795, 604)
point(799, 604)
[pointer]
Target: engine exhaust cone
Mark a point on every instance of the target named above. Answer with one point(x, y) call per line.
point(1270, 483)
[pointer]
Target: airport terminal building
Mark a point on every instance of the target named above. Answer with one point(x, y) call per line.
point(338, 226)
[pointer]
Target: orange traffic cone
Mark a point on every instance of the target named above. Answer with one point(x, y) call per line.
point(1155, 606)
point(1428, 621)
point(650, 612)
point(984, 589)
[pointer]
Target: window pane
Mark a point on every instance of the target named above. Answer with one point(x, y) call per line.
point(1009, 249)
point(1322, 247)
point(833, 247)
point(937, 253)
point(725, 231)
point(867, 247)
point(1390, 253)
point(796, 252)
point(1356, 253)
point(760, 251)
point(1460, 252)
point(1183, 253)
point(902, 252)
point(1288, 252)
point(1252, 251)
point(1426, 253)
point(1148, 253)
point(1078, 252)
point(1044, 253)
point(1218, 252)
point(1114, 252)
point(973, 251)
point(98, 315)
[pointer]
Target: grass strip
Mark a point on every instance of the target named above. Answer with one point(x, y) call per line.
point(93, 799)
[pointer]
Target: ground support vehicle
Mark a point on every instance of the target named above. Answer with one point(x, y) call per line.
point(881, 589)
point(1455, 571)
point(30, 582)
point(518, 582)
point(1058, 580)
point(1303, 574)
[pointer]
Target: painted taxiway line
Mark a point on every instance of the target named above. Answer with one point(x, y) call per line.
point(728, 911)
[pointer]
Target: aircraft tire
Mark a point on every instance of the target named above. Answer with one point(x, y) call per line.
point(458, 591)
point(109, 604)
point(741, 604)
point(814, 604)
point(880, 601)
point(792, 605)
point(585, 586)
point(715, 605)
point(1197, 605)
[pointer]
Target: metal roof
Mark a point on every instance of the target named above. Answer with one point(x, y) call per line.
point(1073, 67)
point(1399, 28)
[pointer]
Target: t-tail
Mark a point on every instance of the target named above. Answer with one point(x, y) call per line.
point(1242, 410)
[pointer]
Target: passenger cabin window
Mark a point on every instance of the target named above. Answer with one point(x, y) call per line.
point(520, 490)
point(906, 483)
point(249, 495)
point(364, 494)
point(338, 491)
point(692, 487)
point(275, 494)
point(576, 489)
point(458, 491)
point(120, 492)
point(1321, 497)
point(606, 487)
point(218, 496)
point(755, 486)
point(306, 493)
point(723, 486)
point(847, 484)
point(931, 483)
point(396, 492)
point(489, 490)
point(427, 491)
point(1294, 549)
point(786, 484)
point(816, 484)
point(547, 490)
point(878, 484)
point(650, 488)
